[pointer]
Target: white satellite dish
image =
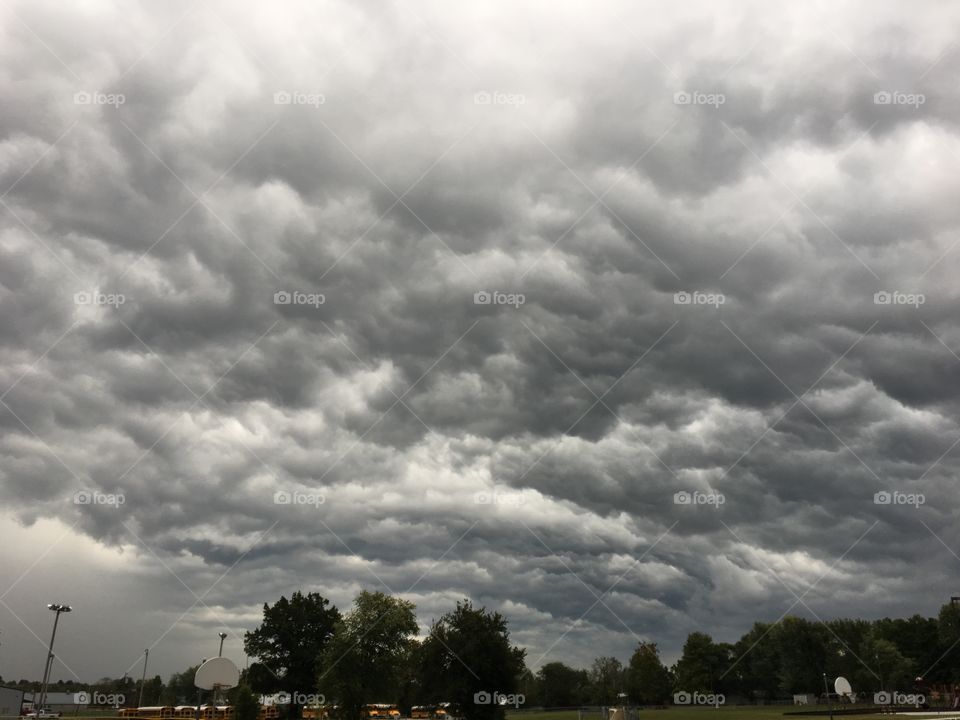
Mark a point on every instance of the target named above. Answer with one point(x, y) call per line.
point(842, 686)
point(218, 672)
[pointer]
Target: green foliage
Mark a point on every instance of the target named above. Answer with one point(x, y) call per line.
point(607, 680)
point(702, 664)
point(562, 686)
point(152, 690)
point(802, 647)
point(289, 644)
point(180, 690)
point(466, 652)
point(246, 705)
point(648, 680)
point(370, 646)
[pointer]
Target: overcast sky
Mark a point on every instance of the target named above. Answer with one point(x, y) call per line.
point(452, 299)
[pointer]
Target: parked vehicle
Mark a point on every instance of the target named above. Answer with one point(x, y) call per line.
point(44, 713)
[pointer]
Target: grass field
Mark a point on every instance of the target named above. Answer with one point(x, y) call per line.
point(695, 713)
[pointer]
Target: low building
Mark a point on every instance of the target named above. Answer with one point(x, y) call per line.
point(11, 701)
point(63, 702)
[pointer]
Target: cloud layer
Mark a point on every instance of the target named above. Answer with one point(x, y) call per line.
point(453, 301)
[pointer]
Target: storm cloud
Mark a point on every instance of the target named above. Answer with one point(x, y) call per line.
point(615, 318)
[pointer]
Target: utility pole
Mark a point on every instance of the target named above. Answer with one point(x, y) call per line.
point(143, 678)
point(57, 608)
point(829, 699)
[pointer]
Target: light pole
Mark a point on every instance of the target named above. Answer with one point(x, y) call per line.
point(223, 636)
point(143, 678)
point(57, 608)
point(829, 699)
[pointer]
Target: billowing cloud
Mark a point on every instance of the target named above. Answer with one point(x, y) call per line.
point(625, 321)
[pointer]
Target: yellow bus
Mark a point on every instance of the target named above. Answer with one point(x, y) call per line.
point(380, 711)
point(268, 712)
point(445, 711)
point(158, 711)
point(318, 712)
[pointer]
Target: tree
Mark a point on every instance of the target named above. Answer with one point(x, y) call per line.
point(561, 685)
point(880, 660)
point(606, 679)
point(648, 681)
point(468, 652)
point(917, 638)
point(803, 651)
point(152, 690)
point(754, 668)
point(702, 664)
point(369, 647)
point(289, 643)
point(246, 705)
point(948, 626)
point(180, 690)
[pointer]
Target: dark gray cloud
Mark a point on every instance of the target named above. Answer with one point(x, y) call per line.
point(777, 168)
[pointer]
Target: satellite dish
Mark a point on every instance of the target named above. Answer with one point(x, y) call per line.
point(218, 672)
point(842, 686)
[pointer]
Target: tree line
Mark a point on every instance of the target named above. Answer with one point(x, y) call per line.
point(777, 660)
point(370, 653)
point(306, 648)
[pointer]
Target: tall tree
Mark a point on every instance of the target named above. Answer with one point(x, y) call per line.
point(948, 626)
point(754, 666)
point(467, 652)
point(702, 664)
point(289, 644)
point(648, 681)
point(917, 638)
point(180, 690)
point(562, 686)
point(803, 652)
point(371, 645)
point(880, 663)
point(606, 678)
point(152, 690)
point(246, 705)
